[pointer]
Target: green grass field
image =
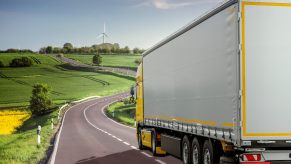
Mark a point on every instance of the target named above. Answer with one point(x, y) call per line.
point(108, 60)
point(21, 147)
point(122, 113)
point(67, 84)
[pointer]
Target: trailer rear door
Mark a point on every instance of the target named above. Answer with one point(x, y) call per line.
point(266, 70)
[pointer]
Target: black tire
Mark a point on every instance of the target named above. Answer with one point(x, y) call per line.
point(154, 142)
point(196, 153)
point(139, 140)
point(186, 151)
point(207, 156)
point(226, 160)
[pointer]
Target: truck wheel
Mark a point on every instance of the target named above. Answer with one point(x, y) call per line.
point(154, 142)
point(196, 151)
point(139, 140)
point(186, 150)
point(226, 160)
point(207, 152)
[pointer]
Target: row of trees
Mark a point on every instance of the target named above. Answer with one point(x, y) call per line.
point(13, 50)
point(105, 48)
point(101, 48)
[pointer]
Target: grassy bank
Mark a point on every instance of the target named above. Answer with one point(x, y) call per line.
point(67, 84)
point(122, 112)
point(21, 146)
point(108, 60)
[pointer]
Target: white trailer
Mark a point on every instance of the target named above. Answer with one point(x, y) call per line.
point(219, 88)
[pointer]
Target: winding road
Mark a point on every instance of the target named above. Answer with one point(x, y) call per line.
point(87, 135)
point(75, 63)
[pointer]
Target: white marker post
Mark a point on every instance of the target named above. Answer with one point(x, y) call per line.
point(38, 134)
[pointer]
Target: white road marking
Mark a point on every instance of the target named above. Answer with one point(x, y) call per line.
point(86, 98)
point(133, 147)
point(53, 157)
point(146, 154)
point(84, 112)
point(159, 161)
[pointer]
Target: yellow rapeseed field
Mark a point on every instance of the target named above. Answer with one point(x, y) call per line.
point(10, 120)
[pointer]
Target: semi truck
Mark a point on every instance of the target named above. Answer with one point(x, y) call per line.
point(219, 89)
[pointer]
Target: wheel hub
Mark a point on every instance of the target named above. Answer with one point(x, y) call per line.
point(195, 155)
point(206, 157)
point(185, 153)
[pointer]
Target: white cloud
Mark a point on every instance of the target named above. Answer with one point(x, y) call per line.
point(165, 4)
point(172, 4)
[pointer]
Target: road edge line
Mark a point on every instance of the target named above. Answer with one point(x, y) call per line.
point(56, 142)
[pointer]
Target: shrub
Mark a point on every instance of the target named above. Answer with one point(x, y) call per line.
point(137, 61)
point(21, 62)
point(1, 64)
point(97, 59)
point(40, 103)
point(60, 55)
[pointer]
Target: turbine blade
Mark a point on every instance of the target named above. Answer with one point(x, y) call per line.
point(99, 36)
point(106, 35)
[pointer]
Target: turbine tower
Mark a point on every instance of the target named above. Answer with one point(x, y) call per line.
point(103, 34)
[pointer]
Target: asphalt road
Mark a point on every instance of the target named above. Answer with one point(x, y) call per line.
point(88, 136)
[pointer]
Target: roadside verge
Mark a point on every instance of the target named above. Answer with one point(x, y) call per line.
point(121, 112)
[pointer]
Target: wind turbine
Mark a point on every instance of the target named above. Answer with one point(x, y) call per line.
point(103, 34)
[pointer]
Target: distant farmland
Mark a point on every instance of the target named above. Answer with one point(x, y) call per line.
point(16, 83)
point(108, 60)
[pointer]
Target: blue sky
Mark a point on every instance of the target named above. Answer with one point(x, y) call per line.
point(137, 23)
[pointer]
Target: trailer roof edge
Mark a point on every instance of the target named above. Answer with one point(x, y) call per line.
point(192, 24)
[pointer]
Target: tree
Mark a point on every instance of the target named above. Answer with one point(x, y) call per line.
point(12, 50)
point(97, 59)
point(42, 50)
point(49, 50)
point(136, 50)
point(40, 103)
point(141, 51)
point(56, 50)
point(126, 49)
point(1, 64)
point(68, 47)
